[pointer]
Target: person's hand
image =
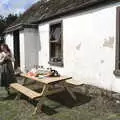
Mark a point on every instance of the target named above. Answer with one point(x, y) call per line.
point(7, 57)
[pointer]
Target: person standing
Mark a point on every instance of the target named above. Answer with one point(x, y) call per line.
point(2, 58)
point(6, 67)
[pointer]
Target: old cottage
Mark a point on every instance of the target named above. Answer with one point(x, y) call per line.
point(79, 38)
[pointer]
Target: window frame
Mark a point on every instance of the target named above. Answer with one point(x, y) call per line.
point(59, 64)
point(117, 57)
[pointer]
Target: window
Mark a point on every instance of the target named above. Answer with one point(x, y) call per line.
point(117, 58)
point(56, 44)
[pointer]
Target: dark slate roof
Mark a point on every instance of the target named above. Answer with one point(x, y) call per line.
point(46, 10)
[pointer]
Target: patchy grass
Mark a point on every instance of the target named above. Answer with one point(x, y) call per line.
point(59, 107)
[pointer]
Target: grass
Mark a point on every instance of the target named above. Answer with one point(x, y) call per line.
point(59, 107)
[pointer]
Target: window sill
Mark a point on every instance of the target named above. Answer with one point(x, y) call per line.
point(117, 72)
point(60, 64)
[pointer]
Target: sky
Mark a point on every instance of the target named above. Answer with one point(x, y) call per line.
point(14, 6)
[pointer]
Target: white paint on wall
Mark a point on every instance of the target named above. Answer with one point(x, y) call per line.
point(31, 47)
point(89, 40)
point(44, 48)
point(93, 63)
point(22, 50)
point(86, 55)
point(9, 41)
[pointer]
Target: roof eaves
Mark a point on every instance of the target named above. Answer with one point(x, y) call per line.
point(19, 27)
point(72, 10)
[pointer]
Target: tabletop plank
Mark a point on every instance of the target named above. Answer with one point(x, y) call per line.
point(47, 80)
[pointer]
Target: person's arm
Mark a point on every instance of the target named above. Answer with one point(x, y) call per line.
point(9, 56)
point(2, 58)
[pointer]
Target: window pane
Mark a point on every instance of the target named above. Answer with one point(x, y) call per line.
point(56, 54)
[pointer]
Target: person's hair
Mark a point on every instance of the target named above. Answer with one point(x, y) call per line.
point(6, 47)
point(0, 48)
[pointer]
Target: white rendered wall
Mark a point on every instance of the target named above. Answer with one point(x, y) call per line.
point(22, 50)
point(31, 46)
point(89, 47)
point(88, 43)
point(91, 39)
point(44, 45)
point(9, 41)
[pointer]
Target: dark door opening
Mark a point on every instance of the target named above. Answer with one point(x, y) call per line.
point(16, 45)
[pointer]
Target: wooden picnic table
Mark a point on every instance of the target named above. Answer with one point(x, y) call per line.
point(47, 84)
point(47, 80)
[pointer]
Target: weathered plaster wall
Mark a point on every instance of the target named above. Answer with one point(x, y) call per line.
point(31, 47)
point(22, 50)
point(89, 42)
point(9, 41)
point(91, 37)
point(44, 45)
point(44, 51)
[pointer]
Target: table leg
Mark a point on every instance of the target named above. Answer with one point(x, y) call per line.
point(18, 96)
point(70, 92)
point(42, 99)
point(35, 110)
point(24, 81)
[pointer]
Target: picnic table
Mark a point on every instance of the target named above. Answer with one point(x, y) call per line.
point(48, 87)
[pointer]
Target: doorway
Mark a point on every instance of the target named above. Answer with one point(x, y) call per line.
point(16, 46)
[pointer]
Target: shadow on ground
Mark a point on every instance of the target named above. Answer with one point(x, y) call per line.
point(62, 99)
point(59, 106)
point(65, 99)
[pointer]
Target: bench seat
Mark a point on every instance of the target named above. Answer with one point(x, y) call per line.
point(74, 82)
point(26, 91)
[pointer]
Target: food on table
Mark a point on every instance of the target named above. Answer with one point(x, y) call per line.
point(41, 72)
